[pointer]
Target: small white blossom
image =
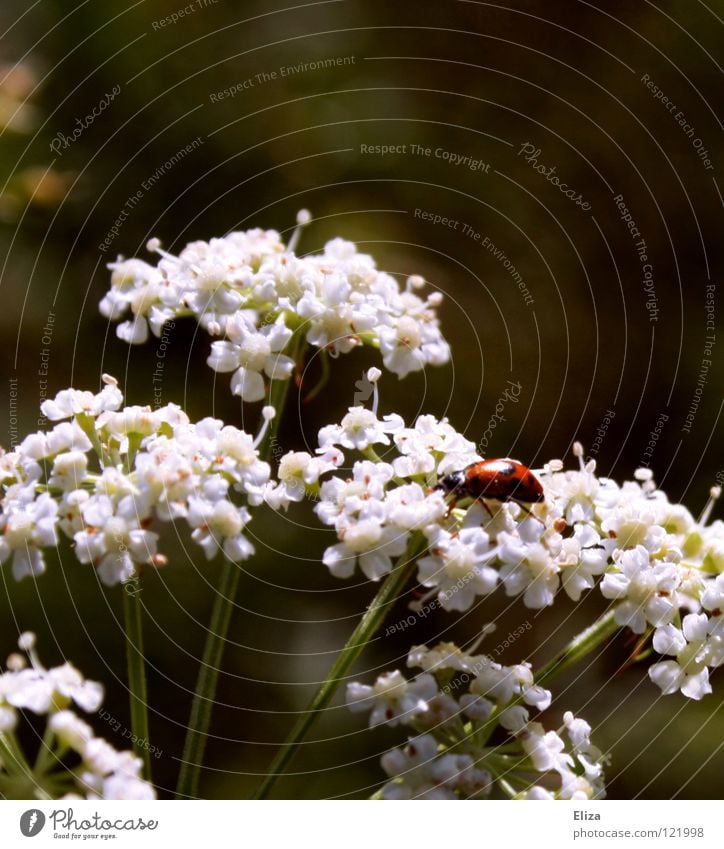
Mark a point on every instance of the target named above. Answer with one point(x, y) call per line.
point(696, 650)
point(392, 698)
point(459, 567)
point(73, 402)
point(644, 589)
point(28, 527)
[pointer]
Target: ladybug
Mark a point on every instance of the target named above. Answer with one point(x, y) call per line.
point(499, 480)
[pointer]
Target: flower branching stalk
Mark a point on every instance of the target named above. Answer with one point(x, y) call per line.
point(207, 681)
point(205, 692)
point(136, 663)
point(360, 638)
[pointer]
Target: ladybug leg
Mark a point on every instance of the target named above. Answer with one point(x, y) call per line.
point(524, 507)
point(480, 500)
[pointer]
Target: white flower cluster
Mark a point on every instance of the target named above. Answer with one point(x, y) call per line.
point(376, 510)
point(251, 289)
point(101, 772)
point(649, 557)
point(152, 466)
point(454, 706)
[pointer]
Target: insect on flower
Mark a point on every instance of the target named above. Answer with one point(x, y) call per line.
point(499, 480)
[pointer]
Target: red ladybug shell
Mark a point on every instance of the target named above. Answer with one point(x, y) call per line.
point(503, 480)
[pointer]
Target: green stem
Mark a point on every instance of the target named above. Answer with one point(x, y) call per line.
point(46, 753)
point(323, 378)
point(203, 700)
point(368, 626)
point(13, 759)
point(137, 677)
point(580, 646)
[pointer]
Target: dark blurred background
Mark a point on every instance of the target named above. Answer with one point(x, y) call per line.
point(551, 294)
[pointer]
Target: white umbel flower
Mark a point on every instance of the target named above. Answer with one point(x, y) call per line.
point(101, 772)
point(251, 288)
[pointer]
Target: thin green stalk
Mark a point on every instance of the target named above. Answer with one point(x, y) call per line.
point(323, 378)
point(368, 626)
point(580, 646)
point(203, 700)
point(137, 677)
point(12, 755)
point(47, 756)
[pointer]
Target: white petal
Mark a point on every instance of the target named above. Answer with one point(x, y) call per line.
point(696, 686)
point(224, 356)
point(667, 676)
point(248, 384)
point(133, 332)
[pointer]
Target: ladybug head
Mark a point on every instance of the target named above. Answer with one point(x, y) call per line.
point(453, 481)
